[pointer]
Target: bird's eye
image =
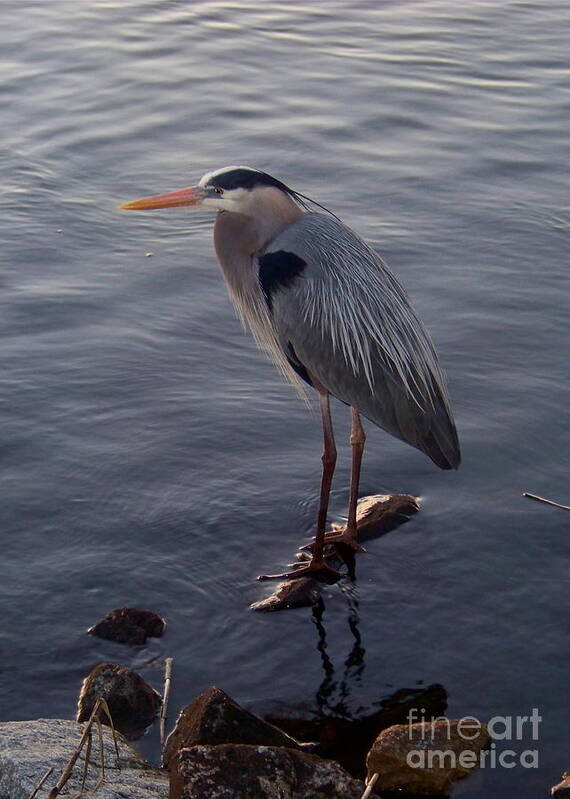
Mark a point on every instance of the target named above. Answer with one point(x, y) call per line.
point(218, 190)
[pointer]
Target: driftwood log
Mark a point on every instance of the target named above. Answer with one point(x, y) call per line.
point(376, 515)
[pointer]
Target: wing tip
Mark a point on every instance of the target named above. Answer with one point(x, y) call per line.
point(446, 455)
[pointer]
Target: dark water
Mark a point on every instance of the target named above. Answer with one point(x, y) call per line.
point(151, 456)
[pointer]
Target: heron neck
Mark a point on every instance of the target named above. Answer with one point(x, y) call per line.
point(239, 237)
point(243, 234)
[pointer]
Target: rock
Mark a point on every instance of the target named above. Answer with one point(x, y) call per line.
point(133, 704)
point(426, 758)
point(213, 718)
point(380, 513)
point(239, 771)
point(29, 748)
point(129, 626)
point(300, 593)
point(562, 790)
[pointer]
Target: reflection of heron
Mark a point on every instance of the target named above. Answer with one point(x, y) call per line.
point(329, 311)
point(345, 731)
point(353, 665)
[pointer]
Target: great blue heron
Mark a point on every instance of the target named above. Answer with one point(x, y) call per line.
point(329, 312)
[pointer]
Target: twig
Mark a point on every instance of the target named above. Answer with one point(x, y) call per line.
point(67, 771)
point(86, 763)
point(369, 785)
point(105, 707)
point(546, 501)
point(40, 783)
point(101, 779)
point(165, 697)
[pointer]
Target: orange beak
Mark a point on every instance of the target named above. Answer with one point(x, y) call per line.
point(190, 196)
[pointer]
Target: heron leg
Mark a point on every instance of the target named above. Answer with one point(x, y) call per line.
point(349, 534)
point(317, 567)
point(329, 463)
point(357, 440)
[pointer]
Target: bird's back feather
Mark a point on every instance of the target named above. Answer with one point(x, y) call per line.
point(340, 315)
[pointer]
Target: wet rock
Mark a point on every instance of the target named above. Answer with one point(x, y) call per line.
point(239, 771)
point(214, 718)
point(129, 626)
point(562, 790)
point(29, 748)
point(300, 593)
point(426, 758)
point(133, 704)
point(380, 513)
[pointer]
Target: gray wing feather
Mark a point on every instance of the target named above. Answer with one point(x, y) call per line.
point(351, 325)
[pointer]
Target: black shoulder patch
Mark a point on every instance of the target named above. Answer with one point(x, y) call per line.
point(277, 270)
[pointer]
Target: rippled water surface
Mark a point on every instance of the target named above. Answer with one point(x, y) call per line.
point(152, 456)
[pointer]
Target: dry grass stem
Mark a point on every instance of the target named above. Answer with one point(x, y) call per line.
point(86, 742)
point(40, 783)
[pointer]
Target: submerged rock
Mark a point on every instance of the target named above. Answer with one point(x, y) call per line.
point(214, 718)
point(129, 626)
point(426, 758)
point(562, 790)
point(240, 771)
point(347, 740)
point(29, 748)
point(133, 704)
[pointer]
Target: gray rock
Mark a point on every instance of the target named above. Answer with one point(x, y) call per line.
point(562, 790)
point(426, 758)
point(238, 771)
point(29, 748)
point(133, 704)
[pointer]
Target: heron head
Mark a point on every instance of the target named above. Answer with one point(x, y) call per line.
point(233, 188)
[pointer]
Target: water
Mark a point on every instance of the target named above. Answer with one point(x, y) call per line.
point(151, 456)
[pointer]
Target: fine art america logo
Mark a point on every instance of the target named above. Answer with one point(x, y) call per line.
point(467, 729)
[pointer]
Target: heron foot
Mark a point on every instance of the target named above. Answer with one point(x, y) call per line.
point(317, 570)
